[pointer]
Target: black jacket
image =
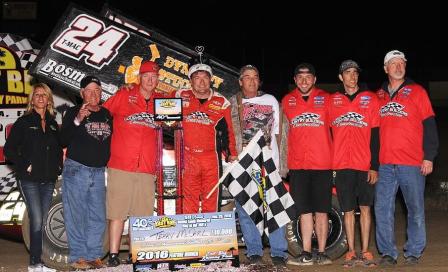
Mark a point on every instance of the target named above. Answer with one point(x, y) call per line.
point(27, 144)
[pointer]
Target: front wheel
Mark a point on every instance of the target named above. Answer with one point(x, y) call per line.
point(336, 241)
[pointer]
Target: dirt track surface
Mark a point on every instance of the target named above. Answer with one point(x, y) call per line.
point(14, 257)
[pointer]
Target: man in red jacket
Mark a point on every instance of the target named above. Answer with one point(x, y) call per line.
point(132, 164)
point(354, 119)
point(206, 119)
point(409, 144)
point(309, 160)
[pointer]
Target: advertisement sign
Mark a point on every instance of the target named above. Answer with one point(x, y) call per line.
point(185, 240)
point(84, 43)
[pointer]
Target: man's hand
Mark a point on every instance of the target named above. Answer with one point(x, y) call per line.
point(372, 176)
point(426, 167)
point(83, 113)
point(233, 158)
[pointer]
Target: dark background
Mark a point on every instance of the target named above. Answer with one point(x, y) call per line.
point(277, 35)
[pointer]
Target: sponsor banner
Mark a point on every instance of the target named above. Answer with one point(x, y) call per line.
point(84, 43)
point(16, 55)
point(185, 240)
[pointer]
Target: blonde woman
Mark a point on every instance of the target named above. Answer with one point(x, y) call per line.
point(33, 148)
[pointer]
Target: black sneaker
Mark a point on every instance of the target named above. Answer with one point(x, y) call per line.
point(278, 261)
point(387, 260)
point(305, 258)
point(410, 260)
point(255, 259)
point(113, 260)
point(323, 259)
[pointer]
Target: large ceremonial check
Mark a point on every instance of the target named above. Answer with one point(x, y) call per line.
point(84, 43)
point(180, 241)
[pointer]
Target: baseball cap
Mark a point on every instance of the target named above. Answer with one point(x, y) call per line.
point(149, 66)
point(347, 64)
point(89, 79)
point(246, 68)
point(200, 67)
point(394, 54)
point(305, 68)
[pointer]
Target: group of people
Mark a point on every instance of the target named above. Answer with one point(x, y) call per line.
point(375, 142)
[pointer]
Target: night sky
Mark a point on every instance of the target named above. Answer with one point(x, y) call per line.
point(276, 36)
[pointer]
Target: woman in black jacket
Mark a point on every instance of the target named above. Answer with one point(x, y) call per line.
point(34, 149)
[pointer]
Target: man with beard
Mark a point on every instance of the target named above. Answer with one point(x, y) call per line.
point(409, 143)
point(309, 160)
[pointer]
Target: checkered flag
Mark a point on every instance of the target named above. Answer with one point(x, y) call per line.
point(255, 183)
point(7, 184)
point(25, 49)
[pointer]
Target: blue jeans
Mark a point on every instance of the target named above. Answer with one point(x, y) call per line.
point(252, 238)
point(84, 202)
point(37, 197)
point(412, 185)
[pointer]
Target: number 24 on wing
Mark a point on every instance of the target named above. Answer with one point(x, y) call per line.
point(88, 37)
point(152, 255)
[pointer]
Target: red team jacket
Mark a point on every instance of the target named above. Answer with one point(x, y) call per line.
point(134, 137)
point(401, 124)
point(309, 143)
point(200, 120)
point(351, 123)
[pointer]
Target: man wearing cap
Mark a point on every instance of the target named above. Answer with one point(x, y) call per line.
point(354, 121)
point(309, 160)
point(253, 110)
point(86, 132)
point(206, 117)
point(409, 143)
point(132, 164)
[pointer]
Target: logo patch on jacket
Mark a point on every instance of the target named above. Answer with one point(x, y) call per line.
point(98, 130)
point(393, 109)
point(319, 101)
point(132, 99)
point(350, 119)
point(307, 119)
point(199, 117)
point(142, 118)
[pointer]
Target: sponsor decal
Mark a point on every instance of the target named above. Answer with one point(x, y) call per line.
point(261, 184)
point(214, 107)
point(199, 117)
point(88, 38)
point(350, 119)
point(14, 80)
point(132, 99)
point(393, 109)
point(319, 100)
point(406, 92)
point(292, 102)
point(307, 119)
point(165, 222)
point(142, 118)
point(62, 72)
point(364, 101)
point(337, 100)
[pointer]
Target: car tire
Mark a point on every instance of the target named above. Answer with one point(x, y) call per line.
point(336, 241)
point(55, 253)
